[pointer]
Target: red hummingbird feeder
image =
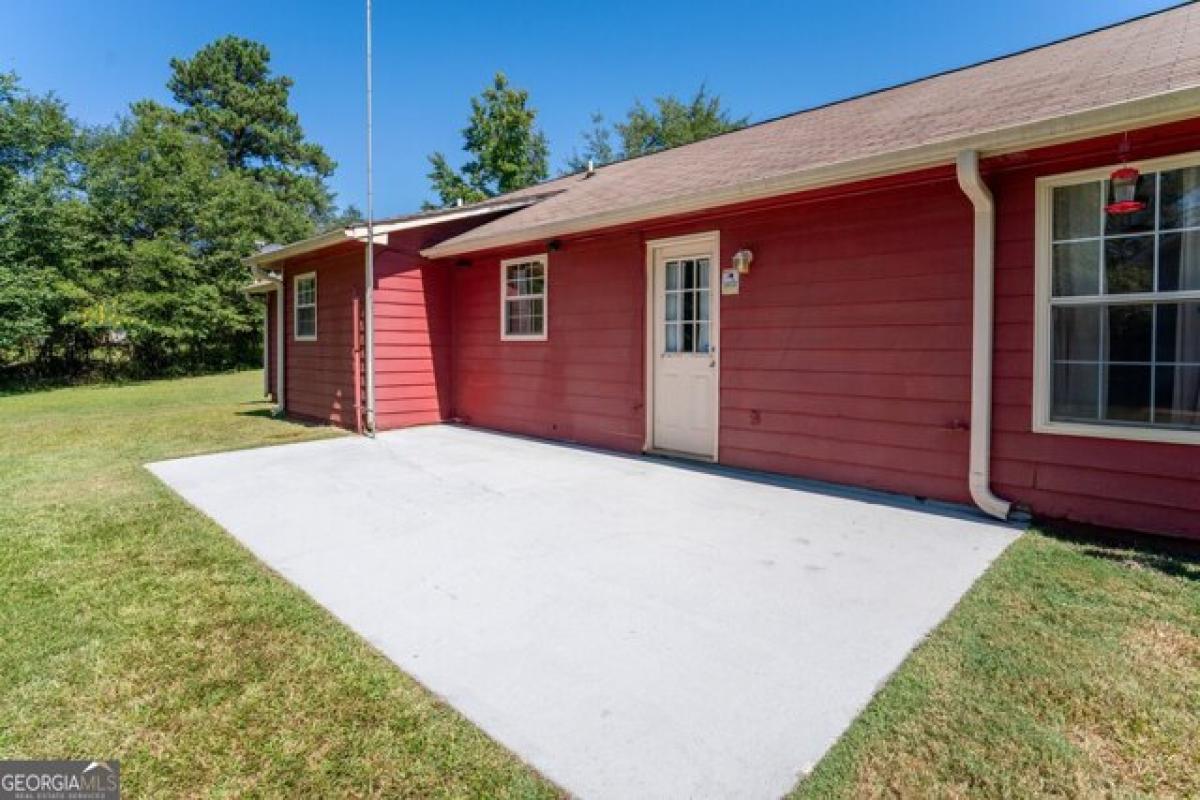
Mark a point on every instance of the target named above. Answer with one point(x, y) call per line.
point(1124, 188)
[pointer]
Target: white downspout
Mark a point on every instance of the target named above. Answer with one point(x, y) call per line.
point(983, 281)
point(280, 327)
point(266, 346)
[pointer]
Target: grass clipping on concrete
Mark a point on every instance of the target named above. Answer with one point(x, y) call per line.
point(135, 628)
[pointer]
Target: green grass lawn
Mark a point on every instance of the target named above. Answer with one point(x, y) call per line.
point(135, 628)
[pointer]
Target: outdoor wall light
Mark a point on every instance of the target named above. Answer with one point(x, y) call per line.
point(741, 261)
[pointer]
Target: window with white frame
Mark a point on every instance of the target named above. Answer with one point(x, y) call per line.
point(1119, 297)
point(306, 307)
point(523, 284)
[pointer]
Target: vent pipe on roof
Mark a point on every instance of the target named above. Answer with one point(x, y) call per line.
point(979, 480)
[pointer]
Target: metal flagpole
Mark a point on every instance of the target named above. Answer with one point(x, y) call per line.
point(369, 278)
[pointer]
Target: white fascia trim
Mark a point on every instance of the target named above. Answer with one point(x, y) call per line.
point(982, 312)
point(1156, 109)
point(359, 232)
point(297, 248)
point(382, 229)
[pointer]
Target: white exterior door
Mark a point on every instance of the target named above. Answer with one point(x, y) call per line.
point(683, 340)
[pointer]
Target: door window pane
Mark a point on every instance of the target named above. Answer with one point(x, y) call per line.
point(672, 275)
point(1077, 211)
point(1129, 265)
point(1077, 268)
point(687, 300)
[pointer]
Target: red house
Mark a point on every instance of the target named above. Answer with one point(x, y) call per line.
point(983, 286)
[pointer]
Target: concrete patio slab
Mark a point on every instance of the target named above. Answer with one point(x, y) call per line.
point(633, 628)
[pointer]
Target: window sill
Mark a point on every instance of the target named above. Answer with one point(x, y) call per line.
point(519, 338)
point(1130, 433)
point(304, 338)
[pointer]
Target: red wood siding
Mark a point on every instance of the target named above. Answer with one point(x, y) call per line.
point(319, 375)
point(1139, 485)
point(414, 327)
point(584, 383)
point(412, 340)
point(846, 357)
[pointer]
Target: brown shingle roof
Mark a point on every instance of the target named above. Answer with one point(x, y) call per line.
point(1153, 57)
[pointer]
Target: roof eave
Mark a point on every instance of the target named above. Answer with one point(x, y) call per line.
point(382, 229)
point(1152, 110)
point(299, 248)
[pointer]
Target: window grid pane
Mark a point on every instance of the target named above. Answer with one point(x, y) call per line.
point(1126, 363)
point(525, 299)
point(687, 296)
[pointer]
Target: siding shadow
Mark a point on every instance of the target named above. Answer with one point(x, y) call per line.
point(873, 496)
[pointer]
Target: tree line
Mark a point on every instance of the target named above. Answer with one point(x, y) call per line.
point(121, 245)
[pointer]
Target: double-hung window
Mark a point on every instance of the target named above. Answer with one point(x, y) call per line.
point(1118, 316)
point(523, 287)
point(306, 307)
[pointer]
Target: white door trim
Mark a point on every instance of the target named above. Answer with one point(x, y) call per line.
point(711, 240)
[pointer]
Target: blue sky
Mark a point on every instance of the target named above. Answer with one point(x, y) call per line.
point(764, 58)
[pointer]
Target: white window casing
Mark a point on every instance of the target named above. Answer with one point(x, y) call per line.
point(1155, 296)
point(524, 299)
point(304, 307)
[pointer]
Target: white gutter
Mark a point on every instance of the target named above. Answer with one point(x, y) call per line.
point(450, 215)
point(1155, 109)
point(266, 348)
point(359, 233)
point(980, 480)
point(280, 327)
